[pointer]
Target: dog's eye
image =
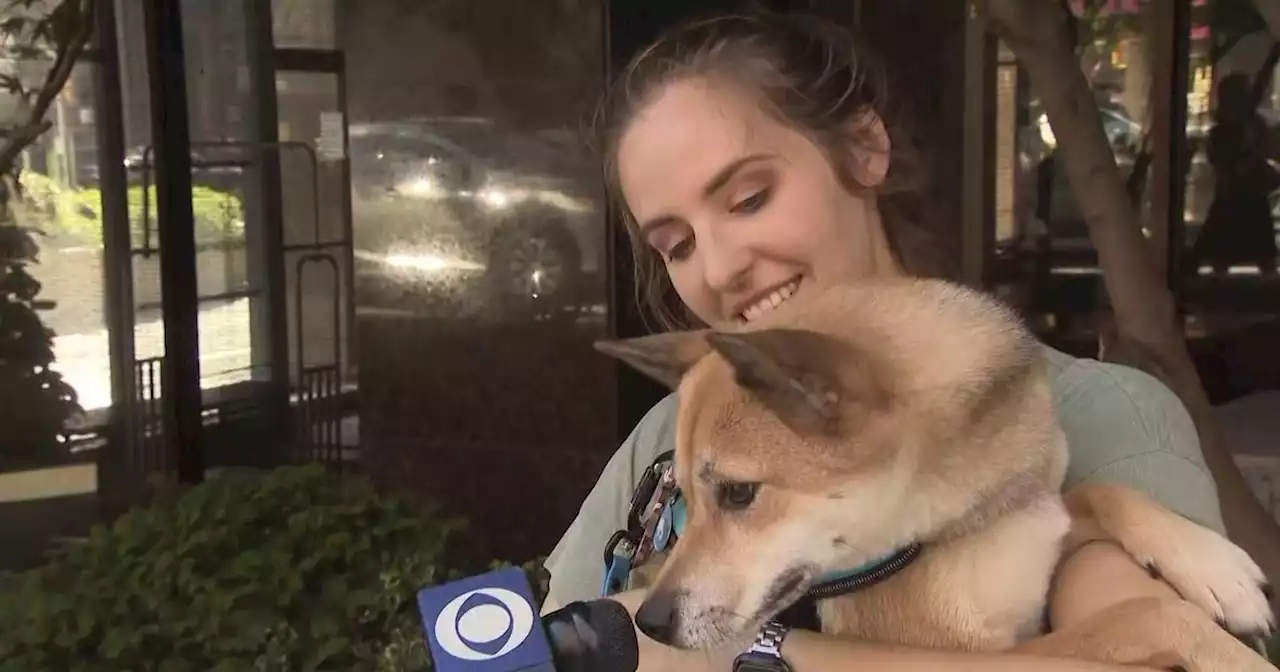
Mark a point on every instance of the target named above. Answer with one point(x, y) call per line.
point(735, 496)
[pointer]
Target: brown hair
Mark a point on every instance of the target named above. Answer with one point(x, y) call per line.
point(811, 75)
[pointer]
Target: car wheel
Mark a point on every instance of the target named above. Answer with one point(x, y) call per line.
point(535, 270)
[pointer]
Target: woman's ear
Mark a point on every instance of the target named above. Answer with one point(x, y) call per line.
point(870, 148)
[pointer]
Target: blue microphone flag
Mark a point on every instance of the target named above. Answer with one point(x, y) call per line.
point(485, 623)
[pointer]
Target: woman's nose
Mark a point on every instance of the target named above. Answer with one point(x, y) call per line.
point(726, 265)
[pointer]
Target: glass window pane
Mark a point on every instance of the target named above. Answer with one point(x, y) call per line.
point(303, 23)
point(480, 246)
point(1042, 240)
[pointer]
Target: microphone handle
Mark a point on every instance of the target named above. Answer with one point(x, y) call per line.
point(595, 636)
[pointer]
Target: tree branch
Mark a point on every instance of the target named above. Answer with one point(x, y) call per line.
point(55, 79)
point(1036, 32)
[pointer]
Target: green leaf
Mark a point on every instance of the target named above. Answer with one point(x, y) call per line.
point(115, 642)
point(324, 625)
point(175, 665)
point(327, 651)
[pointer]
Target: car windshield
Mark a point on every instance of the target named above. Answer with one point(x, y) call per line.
point(493, 144)
point(480, 140)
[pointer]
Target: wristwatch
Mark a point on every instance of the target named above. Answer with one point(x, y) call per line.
point(765, 653)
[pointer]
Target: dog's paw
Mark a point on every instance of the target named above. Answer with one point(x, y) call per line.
point(1209, 571)
point(1204, 567)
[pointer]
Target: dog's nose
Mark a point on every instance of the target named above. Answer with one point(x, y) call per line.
point(657, 616)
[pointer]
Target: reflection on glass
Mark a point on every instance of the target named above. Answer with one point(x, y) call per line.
point(303, 23)
point(316, 231)
point(215, 46)
point(47, 481)
point(60, 179)
point(1232, 227)
point(1229, 234)
point(1113, 44)
point(1009, 218)
point(471, 213)
point(1044, 259)
point(479, 255)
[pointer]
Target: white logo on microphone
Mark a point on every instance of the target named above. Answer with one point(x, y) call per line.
point(484, 623)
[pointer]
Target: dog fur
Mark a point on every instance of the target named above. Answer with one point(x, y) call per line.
point(866, 417)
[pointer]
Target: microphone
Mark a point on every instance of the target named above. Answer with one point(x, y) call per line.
point(488, 623)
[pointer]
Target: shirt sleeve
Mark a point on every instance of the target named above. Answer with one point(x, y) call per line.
point(577, 563)
point(1124, 426)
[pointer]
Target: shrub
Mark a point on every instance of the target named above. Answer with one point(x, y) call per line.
point(75, 215)
point(294, 569)
point(36, 403)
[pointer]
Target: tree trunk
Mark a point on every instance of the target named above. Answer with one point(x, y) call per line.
point(1144, 310)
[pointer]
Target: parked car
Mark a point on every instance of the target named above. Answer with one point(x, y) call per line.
point(468, 213)
point(220, 168)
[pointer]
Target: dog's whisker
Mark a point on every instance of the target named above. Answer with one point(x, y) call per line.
point(722, 614)
point(722, 624)
point(841, 541)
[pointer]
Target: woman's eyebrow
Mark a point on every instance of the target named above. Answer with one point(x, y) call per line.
point(722, 177)
point(649, 226)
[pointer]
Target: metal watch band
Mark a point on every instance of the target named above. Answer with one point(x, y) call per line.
point(769, 640)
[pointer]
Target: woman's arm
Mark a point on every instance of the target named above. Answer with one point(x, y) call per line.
point(814, 652)
point(1097, 576)
point(1124, 426)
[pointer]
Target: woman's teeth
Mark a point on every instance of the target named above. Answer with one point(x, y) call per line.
point(768, 303)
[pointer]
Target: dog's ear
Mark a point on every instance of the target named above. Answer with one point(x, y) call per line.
point(797, 375)
point(664, 357)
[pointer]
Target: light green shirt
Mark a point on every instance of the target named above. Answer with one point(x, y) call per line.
point(1122, 426)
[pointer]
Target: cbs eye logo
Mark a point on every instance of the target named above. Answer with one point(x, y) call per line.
point(498, 613)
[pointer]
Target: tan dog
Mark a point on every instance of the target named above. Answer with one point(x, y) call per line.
point(854, 421)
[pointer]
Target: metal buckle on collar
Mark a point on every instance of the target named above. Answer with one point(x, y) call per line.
point(611, 549)
point(618, 554)
point(649, 526)
point(654, 530)
point(641, 497)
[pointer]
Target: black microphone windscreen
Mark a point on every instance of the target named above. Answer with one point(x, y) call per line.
point(598, 636)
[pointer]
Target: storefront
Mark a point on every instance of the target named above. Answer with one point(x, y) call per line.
point(316, 301)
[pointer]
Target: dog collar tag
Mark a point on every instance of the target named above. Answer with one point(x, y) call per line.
point(677, 509)
point(662, 532)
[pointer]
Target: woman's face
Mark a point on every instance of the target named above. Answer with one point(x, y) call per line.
point(744, 211)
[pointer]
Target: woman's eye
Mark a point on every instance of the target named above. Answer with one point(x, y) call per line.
point(680, 250)
point(736, 496)
point(752, 203)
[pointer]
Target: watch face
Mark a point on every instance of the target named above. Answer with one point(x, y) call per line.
point(755, 662)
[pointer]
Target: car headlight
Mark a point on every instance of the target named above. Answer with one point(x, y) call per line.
point(420, 187)
point(497, 198)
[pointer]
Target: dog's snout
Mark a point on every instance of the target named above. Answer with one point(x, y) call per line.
point(656, 617)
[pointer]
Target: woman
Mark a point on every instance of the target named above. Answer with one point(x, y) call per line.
point(756, 160)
